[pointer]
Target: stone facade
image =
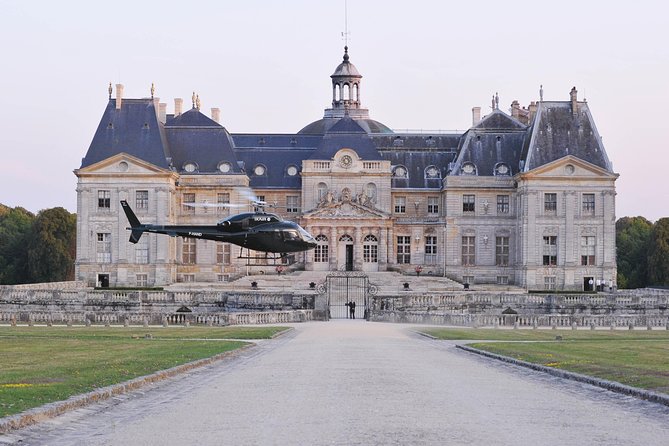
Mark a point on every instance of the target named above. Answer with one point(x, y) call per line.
point(525, 199)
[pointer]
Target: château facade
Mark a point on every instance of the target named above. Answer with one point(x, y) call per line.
point(526, 198)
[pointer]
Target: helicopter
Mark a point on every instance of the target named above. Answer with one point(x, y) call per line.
point(257, 231)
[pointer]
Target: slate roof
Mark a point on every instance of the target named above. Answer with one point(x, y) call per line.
point(133, 129)
point(323, 125)
point(498, 139)
point(558, 132)
point(193, 137)
point(346, 133)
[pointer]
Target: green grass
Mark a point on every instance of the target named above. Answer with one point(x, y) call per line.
point(636, 358)
point(39, 365)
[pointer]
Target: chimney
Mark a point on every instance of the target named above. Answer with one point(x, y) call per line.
point(162, 112)
point(178, 105)
point(533, 111)
point(476, 115)
point(515, 109)
point(573, 94)
point(216, 114)
point(119, 96)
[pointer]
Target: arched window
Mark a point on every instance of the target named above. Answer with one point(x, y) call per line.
point(347, 92)
point(400, 172)
point(469, 169)
point(356, 92)
point(337, 92)
point(322, 191)
point(321, 252)
point(432, 172)
point(346, 238)
point(370, 249)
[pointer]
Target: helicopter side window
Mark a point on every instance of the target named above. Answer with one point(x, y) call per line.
point(291, 235)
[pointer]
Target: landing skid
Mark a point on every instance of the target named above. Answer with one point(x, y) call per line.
point(266, 258)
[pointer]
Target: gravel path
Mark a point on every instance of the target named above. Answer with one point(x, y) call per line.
point(355, 382)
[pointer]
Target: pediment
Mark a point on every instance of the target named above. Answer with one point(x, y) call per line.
point(121, 163)
point(345, 209)
point(569, 167)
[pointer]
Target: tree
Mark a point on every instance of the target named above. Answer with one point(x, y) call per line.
point(15, 226)
point(52, 246)
point(632, 238)
point(658, 253)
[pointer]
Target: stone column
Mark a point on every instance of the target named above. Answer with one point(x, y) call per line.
point(383, 248)
point(391, 247)
point(357, 249)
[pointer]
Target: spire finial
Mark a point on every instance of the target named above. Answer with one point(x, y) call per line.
point(192, 98)
point(110, 90)
point(153, 90)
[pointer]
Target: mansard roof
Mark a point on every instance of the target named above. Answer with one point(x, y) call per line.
point(558, 131)
point(207, 147)
point(346, 133)
point(134, 128)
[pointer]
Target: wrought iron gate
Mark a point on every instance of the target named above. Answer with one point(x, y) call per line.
point(344, 287)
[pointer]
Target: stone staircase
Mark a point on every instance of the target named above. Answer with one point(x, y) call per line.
point(388, 283)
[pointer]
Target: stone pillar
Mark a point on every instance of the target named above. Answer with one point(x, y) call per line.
point(357, 248)
point(391, 247)
point(383, 248)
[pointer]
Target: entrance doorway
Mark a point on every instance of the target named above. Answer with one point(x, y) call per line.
point(349, 257)
point(103, 280)
point(588, 284)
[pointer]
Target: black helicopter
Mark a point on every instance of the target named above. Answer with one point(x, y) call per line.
point(257, 231)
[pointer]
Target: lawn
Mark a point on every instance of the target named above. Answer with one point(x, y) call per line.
point(636, 358)
point(39, 365)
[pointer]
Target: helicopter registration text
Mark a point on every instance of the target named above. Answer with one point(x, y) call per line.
point(195, 234)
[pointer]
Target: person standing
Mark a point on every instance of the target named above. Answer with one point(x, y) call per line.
point(351, 307)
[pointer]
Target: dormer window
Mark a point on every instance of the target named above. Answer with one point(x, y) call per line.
point(398, 142)
point(400, 172)
point(259, 170)
point(502, 169)
point(224, 167)
point(469, 169)
point(291, 171)
point(432, 172)
point(190, 167)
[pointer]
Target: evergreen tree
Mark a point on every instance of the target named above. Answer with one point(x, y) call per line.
point(658, 253)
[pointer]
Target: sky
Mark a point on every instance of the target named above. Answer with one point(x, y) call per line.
point(267, 65)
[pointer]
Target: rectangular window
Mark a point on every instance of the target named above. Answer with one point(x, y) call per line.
point(221, 277)
point(321, 252)
point(400, 205)
point(468, 279)
point(188, 199)
point(433, 205)
point(468, 250)
point(260, 198)
point(223, 199)
point(431, 250)
point(549, 282)
point(142, 280)
point(502, 251)
point(550, 250)
point(403, 249)
point(188, 251)
point(223, 253)
point(550, 204)
point(103, 247)
point(188, 278)
point(293, 203)
point(468, 203)
point(370, 253)
point(502, 280)
point(142, 250)
point(502, 204)
point(142, 200)
point(588, 204)
point(588, 246)
point(104, 200)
